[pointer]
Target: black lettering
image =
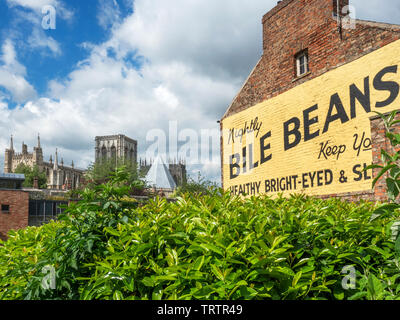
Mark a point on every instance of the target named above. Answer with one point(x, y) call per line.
point(305, 185)
point(312, 177)
point(328, 177)
point(235, 165)
point(264, 147)
point(295, 131)
point(267, 186)
point(258, 187)
point(241, 191)
point(273, 185)
point(320, 178)
point(357, 172)
point(390, 86)
point(364, 98)
point(253, 188)
point(366, 176)
point(322, 150)
point(288, 183)
point(295, 181)
point(244, 160)
point(308, 122)
point(341, 113)
point(282, 186)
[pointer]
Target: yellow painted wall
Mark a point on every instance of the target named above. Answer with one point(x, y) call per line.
point(303, 159)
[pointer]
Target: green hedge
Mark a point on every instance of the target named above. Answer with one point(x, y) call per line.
point(204, 247)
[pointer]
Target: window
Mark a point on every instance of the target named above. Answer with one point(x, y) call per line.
point(302, 63)
point(5, 208)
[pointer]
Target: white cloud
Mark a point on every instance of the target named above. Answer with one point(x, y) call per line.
point(37, 5)
point(108, 13)
point(38, 40)
point(12, 75)
point(30, 12)
point(198, 55)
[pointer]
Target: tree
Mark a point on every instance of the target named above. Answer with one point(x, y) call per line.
point(199, 186)
point(101, 172)
point(30, 174)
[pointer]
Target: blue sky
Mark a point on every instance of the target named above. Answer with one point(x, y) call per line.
point(42, 64)
point(155, 70)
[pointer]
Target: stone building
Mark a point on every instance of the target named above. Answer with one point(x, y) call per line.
point(302, 122)
point(59, 176)
point(124, 148)
point(115, 147)
point(177, 169)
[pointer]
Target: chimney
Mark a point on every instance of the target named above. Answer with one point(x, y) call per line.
point(35, 183)
point(339, 8)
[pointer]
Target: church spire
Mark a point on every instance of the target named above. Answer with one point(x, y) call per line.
point(38, 141)
point(56, 161)
point(11, 143)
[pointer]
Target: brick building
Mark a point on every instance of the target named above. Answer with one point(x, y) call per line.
point(14, 210)
point(336, 70)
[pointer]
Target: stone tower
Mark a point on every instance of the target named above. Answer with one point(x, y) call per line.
point(9, 157)
point(38, 154)
point(118, 147)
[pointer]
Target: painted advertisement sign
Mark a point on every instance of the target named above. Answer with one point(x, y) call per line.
point(315, 138)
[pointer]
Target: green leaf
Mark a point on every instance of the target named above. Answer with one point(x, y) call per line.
point(296, 278)
point(217, 272)
point(248, 293)
point(381, 173)
point(210, 247)
point(198, 263)
point(375, 287)
point(148, 282)
point(89, 244)
point(112, 231)
point(118, 295)
point(358, 295)
point(397, 246)
point(393, 188)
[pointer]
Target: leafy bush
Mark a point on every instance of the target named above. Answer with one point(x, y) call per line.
point(204, 247)
point(31, 174)
point(103, 171)
point(201, 186)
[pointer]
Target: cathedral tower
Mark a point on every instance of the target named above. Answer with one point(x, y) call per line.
point(38, 154)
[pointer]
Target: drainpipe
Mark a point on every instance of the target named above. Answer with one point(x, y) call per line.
point(339, 19)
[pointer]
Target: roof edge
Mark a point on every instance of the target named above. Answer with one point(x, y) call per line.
point(276, 9)
point(241, 89)
point(382, 25)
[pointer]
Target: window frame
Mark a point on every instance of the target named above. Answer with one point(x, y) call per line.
point(298, 65)
point(3, 210)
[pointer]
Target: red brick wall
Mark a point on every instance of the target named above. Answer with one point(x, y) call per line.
point(17, 218)
point(379, 141)
point(294, 25)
